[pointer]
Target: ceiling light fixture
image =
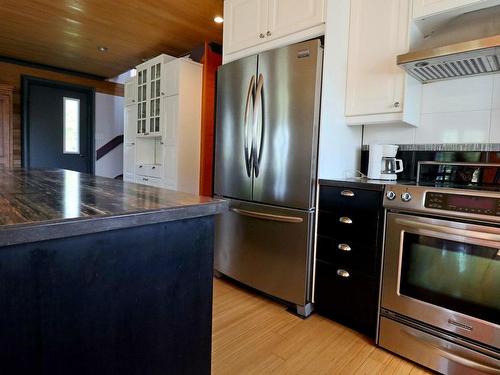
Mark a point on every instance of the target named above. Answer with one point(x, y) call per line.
point(218, 19)
point(102, 49)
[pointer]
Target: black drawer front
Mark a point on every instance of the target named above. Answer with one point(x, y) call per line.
point(335, 198)
point(353, 254)
point(350, 225)
point(352, 301)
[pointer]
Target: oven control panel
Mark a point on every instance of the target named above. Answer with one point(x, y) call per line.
point(468, 204)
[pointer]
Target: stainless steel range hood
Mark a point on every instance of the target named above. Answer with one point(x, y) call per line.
point(465, 46)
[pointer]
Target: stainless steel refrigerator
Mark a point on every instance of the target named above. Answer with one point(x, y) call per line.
point(265, 165)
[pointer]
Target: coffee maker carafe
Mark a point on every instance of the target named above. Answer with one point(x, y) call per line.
point(383, 164)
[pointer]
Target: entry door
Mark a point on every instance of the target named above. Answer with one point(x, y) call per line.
point(58, 130)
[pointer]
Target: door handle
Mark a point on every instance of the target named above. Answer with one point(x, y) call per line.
point(258, 132)
point(247, 137)
point(271, 217)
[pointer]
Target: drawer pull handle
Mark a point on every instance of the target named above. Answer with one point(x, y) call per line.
point(344, 247)
point(345, 220)
point(347, 193)
point(145, 179)
point(343, 273)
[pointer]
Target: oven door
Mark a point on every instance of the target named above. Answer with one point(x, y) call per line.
point(444, 273)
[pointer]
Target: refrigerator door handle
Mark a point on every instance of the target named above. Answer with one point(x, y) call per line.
point(271, 217)
point(258, 131)
point(248, 139)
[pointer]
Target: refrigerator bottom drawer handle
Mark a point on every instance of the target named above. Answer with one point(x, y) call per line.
point(271, 217)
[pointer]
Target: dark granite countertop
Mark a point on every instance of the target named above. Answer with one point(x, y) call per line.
point(359, 183)
point(38, 205)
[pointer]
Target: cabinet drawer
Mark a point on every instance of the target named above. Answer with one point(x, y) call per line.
point(150, 170)
point(150, 181)
point(346, 224)
point(354, 199)
point(353, 254)
point(351, 299)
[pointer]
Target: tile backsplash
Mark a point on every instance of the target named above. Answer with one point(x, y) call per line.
point(465, 110)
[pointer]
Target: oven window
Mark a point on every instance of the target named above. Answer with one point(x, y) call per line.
point(458, 276)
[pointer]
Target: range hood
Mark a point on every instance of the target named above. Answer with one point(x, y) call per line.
point(464, 46)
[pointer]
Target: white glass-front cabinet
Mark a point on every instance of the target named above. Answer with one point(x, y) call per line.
point(378, 91)
point(248, 23)
point(163, 128)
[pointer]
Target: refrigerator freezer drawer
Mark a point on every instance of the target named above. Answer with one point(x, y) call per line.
point(268, 248)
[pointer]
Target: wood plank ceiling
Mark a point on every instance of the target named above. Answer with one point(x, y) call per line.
point(67, 33)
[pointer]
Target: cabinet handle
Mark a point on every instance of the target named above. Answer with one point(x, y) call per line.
point(162, 143)
point(343, 273)
point(347, 193)
point(345, 220)
point(145, 179)
point(268, 33)
point(133, 100)
point(344, 247)
point(397, 104)
point(262, 36)
point(163, 93)
point(153, 167)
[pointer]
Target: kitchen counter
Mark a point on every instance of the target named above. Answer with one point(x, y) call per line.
point(100, 276)
point(55, 203)
point(359, 183)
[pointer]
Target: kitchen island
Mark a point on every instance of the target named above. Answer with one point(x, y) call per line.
point(99, 276)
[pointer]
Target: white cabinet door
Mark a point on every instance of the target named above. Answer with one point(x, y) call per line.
point(245, 24)
point(291, 16)
point(378, 33)
point(129, 163)
point(425, 8)
point(129, 131)
point(130, 91)
point(171, 81)
point(170, 106)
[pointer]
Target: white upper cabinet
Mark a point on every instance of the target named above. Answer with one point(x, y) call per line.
point(130, 91)
point(248, 23)
point(290, 16)
point(427, 8)
point(245, 23)
point(378, 91)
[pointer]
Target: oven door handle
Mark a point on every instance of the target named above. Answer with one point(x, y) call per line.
point(487, 235)
point(467, 362)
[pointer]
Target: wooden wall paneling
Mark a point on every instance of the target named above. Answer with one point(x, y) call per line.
point(6, 121)
point(11, 74)
point(211, 61)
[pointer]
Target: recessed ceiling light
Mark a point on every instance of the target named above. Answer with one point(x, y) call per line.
point(102, 49)
point(218, 19)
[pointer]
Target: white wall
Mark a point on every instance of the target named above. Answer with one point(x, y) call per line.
point(108, 125)
point(465, 110)
point(339, 150)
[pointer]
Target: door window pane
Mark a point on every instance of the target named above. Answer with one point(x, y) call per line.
point(463, 277)
point(71, 129)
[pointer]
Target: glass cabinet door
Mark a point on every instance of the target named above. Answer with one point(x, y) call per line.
point(154, 99)
point(142, 80)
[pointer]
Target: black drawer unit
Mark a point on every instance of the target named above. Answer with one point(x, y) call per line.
point(349, 253)
point(347, 297)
